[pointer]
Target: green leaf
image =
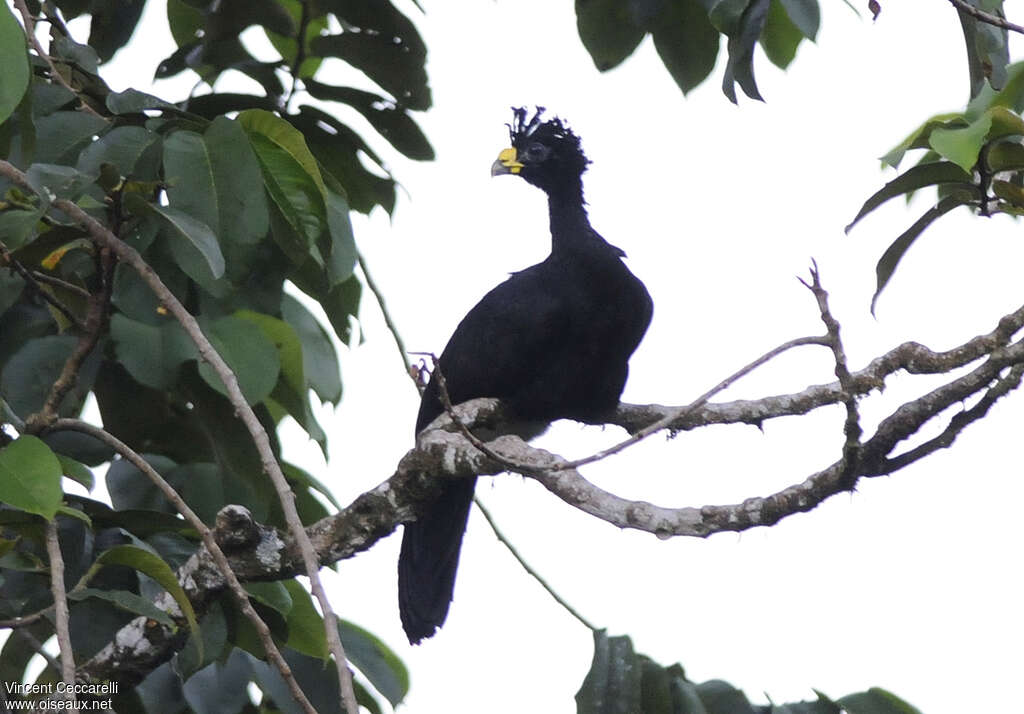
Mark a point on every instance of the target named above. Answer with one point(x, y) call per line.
point(740, 67)
point(392, 122)
point(608, 31)
point(59, 136)
point(1004, 123)
point(918, 139)
point(285, 136)
point(149, 564)
point(30, 373)
point(319, 358)
point(398, 69)
point(125, 600)
point(686, 42)
point(30, 477)
point(961, 146)
point(305, 626)
point(720, 697)
point(289, 348)
point(123, 147)
point(193, 244)
point(781, 36)
point(189, 178)
point(132, 101)
point(341, 251)
point(876, 701)
point(152, 354)
point(14, 60)
point(251, 356)
point(1006, 156)
point(272, 594)
point(612, 684)
point(57, 181)
point(17, 226)
point(301, 477)
point(895, 252)
point(806, 15)
point(236, 175)
point(77, 471)
point(378, 663)
point(727, 15)
point(930, 174)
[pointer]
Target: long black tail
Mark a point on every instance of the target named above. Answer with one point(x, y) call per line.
point(429, 559)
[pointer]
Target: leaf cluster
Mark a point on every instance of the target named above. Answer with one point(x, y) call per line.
point(974, 158)
point(622, 681)
point(687, 35)
point(228, 198)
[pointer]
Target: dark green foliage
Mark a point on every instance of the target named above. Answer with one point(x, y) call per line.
point(226, 210)
point(687, 35)
point(620, 681)
point(975, 158)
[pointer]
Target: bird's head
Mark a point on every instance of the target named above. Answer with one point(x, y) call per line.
point(545, 153)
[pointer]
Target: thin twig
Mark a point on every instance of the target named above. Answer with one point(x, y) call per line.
point(851, 427)
point(240, 596)
point(390, 323)
point(528, 568)
point(60, 602)
point(7, 258)
point(681, 412)
point(25, 620)
point(62, 284)
point(104, 238)
point(30, 33)
point(986, 17)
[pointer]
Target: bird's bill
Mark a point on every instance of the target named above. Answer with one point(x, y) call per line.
point(506, 163)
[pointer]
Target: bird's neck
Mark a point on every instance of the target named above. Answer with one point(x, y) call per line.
point(570, 225)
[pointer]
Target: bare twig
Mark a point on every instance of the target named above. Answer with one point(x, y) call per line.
point(240, 596)
point(26, 620)
point(528, 568)
point(60, 602)
point(7, 258)
point(62, 284)
point(667, 420)
point(392, 327)
point(986, 17)
point(851, 427)
point(30, 33)
point(103, 237)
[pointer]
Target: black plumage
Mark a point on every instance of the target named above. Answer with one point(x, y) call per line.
point(552, 342)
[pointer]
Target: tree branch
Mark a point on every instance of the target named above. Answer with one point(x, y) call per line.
point(60, 601)
point(986, 17)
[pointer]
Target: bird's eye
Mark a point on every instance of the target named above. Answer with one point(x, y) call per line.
point(536, 152)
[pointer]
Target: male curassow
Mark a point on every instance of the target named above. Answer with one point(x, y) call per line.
point(552, 342)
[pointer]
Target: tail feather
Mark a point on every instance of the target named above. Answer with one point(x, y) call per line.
point(429, 559)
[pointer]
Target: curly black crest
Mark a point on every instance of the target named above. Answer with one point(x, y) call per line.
point(553, 133)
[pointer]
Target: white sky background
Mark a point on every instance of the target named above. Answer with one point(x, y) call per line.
point(911, 584)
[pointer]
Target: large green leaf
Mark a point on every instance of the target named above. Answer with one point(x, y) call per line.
point(30, 373)
point(608, 31)
point(242, 207)
point(289, 348)
point(895, 252)
point(292, 178)
point(189, 178)
point(805, 14)
point(14, 60)
point(686, 42)
point(319, 358)
point(613, 684)
point(918, 139)
point(251, 356)
point(125, 600)
point(30, 477)
point(781, 36)
point(150, 564)
point(305, 626)
point(132, 150)
point(152, 354)
point(392, 122)
point(378, 663)
point(398, 69)
point(929, 174)
point(740, 67)
point(961, 146)
point(193, 244)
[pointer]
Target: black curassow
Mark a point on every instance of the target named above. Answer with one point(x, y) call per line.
point(552, 342)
